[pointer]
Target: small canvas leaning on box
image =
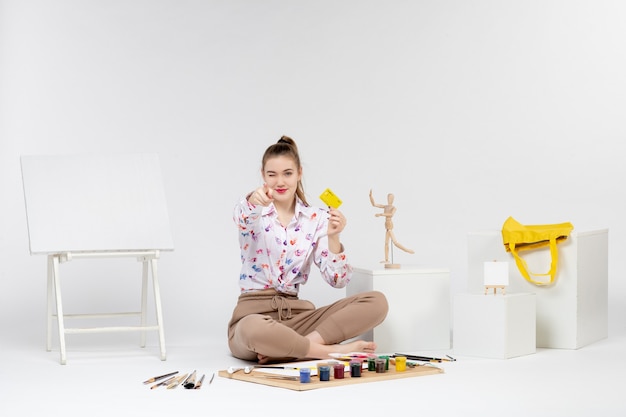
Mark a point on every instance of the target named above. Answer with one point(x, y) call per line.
point(572, 304)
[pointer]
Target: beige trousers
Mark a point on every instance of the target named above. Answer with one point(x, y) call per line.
point(275, 325)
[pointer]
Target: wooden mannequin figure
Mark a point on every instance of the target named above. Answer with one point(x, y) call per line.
point(388, 211)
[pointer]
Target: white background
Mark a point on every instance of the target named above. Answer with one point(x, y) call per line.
point(467, 111)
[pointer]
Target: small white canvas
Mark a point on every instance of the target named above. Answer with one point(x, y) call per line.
point(496, 273)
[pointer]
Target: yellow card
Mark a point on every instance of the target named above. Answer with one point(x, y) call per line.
point(330, 199)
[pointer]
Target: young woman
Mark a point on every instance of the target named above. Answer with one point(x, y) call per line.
point(281, 237)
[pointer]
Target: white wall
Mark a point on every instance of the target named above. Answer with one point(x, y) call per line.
point(468, 111)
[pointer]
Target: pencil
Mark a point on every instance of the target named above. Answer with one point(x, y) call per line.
point(156, 378)
point(199, 383)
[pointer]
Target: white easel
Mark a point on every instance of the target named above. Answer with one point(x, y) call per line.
point(122, 203)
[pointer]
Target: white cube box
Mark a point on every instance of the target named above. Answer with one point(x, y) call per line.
point(572, 312)
point(419, 306)
point(494, 326)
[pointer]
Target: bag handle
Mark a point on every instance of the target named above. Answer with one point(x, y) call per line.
point(523, 267)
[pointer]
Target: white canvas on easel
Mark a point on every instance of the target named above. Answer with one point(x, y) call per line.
point(95, 202)
point(496, 275)
point(97, 206)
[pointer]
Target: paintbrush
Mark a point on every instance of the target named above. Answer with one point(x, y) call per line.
point(190, 382)
point(176, 382)
point(164, 382)
point(249, 369)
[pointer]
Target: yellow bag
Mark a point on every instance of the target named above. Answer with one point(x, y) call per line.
point(518, 237)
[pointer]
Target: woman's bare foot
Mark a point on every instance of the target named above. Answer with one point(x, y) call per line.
point(265, 360)
point(356, 346)
point(320, 350)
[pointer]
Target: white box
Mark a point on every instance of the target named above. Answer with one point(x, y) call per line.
point(571, 313)
point(419, 307)
point(494, 326)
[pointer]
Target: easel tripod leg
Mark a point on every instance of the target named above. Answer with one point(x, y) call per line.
point(59, 305)
point(144, 300)
point(50, 304)
point(157, 304)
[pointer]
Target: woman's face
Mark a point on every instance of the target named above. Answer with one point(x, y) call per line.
point(282, 175)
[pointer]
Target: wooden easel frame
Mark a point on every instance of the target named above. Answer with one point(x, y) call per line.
point(97, 206)
point(55, 304)
point(495, 288)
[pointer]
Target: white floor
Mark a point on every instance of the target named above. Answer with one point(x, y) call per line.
point(104, 378)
